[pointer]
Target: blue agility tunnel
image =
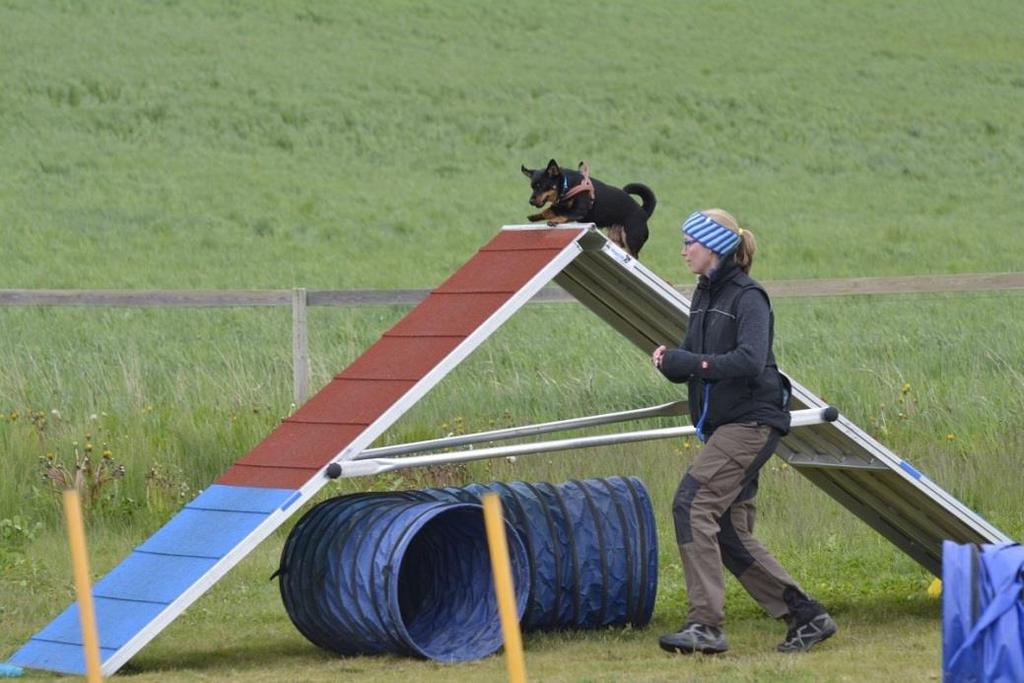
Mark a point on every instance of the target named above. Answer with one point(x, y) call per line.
point(982, 612)
point(376, 573)
point(409, 572)
point(592, 548)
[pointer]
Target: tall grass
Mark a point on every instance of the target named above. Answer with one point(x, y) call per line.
point(190, 391)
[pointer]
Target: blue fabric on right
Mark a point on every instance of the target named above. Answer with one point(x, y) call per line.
point(982, 612)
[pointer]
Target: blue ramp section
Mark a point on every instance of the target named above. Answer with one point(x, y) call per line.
point(135, 593)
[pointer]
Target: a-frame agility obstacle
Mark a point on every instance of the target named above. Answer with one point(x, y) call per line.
point(331, 433)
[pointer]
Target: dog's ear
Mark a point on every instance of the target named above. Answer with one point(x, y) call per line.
point(553, 169)
point(527, 172)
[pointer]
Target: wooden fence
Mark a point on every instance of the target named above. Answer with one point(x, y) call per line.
point(299, 299)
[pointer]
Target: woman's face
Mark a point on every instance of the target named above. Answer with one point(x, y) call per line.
point(699, 258)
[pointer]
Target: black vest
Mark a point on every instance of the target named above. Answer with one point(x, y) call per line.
point(763, 399)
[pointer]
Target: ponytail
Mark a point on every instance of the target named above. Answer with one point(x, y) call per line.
point(744, 254)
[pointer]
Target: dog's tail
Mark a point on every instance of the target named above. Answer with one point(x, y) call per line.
point(646, 196)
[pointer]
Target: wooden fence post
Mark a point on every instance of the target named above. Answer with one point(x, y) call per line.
point(300, 347)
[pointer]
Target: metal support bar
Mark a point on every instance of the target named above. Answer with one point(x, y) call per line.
point(360, 468)
point(672, 409)
point(841, 463)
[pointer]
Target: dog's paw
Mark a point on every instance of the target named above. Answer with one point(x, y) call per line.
point(535, 217)
point(553, 224)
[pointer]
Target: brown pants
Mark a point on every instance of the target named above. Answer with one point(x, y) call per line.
point(714, 511)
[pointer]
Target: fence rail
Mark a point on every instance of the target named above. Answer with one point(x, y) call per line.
point(299, 299)
point(199, 298)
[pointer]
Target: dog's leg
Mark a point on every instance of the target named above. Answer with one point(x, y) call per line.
point(636, 235)
point(553, 218)
point(617, 235)
point(581, 206)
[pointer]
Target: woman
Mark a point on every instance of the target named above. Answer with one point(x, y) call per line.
point(739, 404)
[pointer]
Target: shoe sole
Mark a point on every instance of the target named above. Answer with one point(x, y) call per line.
point(680, 650)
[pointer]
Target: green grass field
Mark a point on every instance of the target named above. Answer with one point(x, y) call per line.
point(357, 145)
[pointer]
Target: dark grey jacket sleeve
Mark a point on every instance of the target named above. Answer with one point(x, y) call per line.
point(747, 359)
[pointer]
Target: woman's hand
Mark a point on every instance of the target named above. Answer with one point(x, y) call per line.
point(658, 354)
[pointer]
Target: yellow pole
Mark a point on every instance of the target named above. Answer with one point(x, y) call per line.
point(80, 565)
point(502, 567)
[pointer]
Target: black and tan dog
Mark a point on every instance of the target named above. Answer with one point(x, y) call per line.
point(573, 196)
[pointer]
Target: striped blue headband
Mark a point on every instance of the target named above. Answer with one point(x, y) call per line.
point(711, 233)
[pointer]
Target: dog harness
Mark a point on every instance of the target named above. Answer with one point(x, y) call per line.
point(585, 185)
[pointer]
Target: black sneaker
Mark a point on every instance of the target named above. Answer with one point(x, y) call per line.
point(695, 637)
point(802, 636)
